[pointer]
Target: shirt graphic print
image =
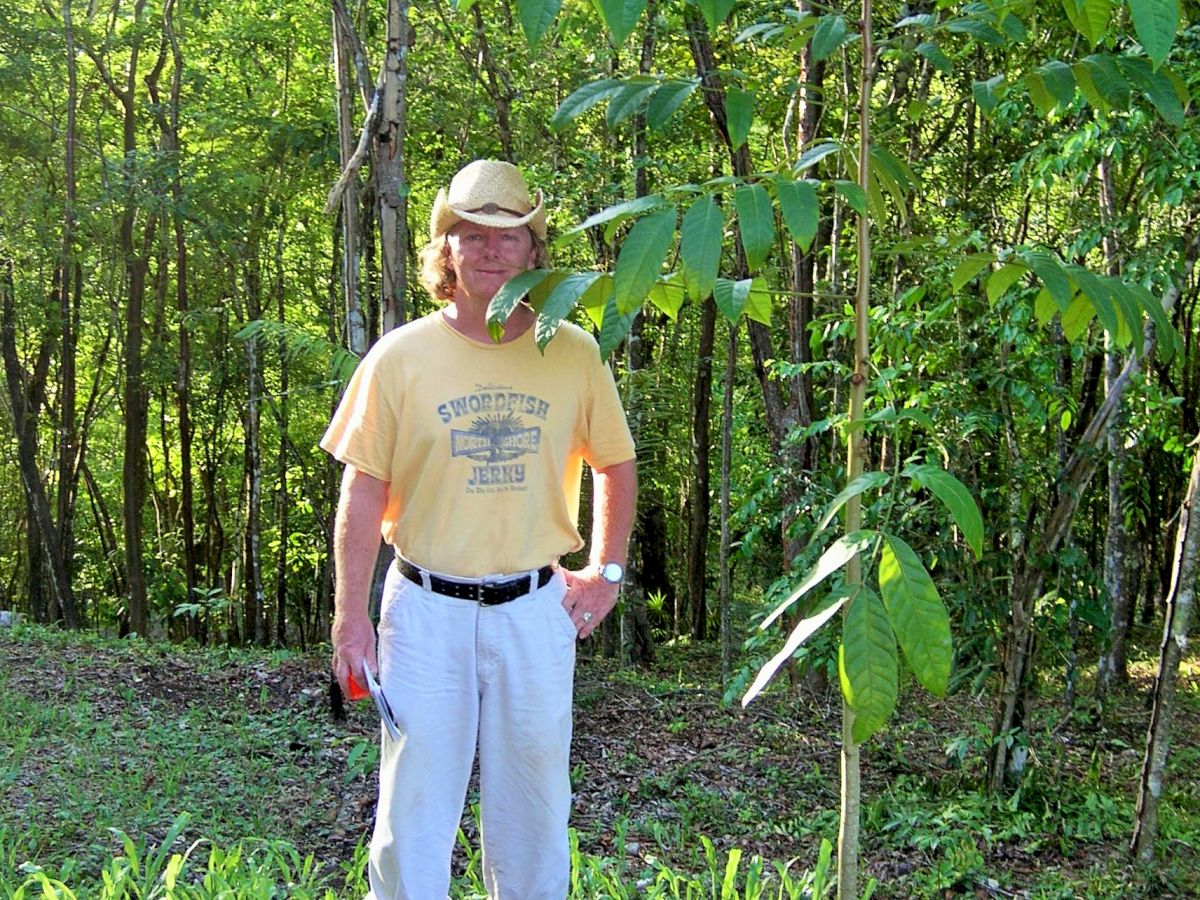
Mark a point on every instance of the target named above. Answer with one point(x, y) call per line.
point(494, 426)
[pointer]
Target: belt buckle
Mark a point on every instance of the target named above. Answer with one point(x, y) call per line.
point(486, 582)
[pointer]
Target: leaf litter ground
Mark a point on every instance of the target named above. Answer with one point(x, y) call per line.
point(245, 743)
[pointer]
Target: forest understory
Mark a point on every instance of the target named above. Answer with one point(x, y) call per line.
point(98, 734)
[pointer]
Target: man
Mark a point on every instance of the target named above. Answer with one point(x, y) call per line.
point(466, 454)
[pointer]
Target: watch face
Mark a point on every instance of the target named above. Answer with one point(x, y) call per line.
point(612, 572)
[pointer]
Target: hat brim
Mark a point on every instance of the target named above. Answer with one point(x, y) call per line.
point(444, 217)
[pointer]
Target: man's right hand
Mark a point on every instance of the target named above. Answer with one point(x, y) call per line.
point(353, 642)
point(355, 545)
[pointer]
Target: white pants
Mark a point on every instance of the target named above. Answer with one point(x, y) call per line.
point(458, 674)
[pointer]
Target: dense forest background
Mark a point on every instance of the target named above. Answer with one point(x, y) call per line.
point(183, 297)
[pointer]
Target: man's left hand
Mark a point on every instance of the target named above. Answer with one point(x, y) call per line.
point(589, 598)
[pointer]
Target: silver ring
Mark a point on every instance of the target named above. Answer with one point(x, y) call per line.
point(587, 617)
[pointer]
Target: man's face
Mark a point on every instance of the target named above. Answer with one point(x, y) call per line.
point(484, 257)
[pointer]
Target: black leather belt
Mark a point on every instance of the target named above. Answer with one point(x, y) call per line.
point(489, 592)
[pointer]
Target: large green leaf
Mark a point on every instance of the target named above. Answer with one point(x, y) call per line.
point(700, 246)
point(1044, 306)
point(667, 99)
point(1077, 316)
point(1052, 275)
point(758, 301)
point(970, 266)
point(739, 113)
point(989, 93)
point(1101, 81)
point(814, 155)
point(756, 222)
point(641, 258)
point(805, 629)
point(628, 99)
point(614, 326)
point(868, 481)
point(917, 613)
point(1163, 92)
point(620, 17)
point(1155, 22)
point(1102, 302)
point(581, 100)
point(559, 303)
point(976, 28)
point(1127, 306)
point(714, 11)
point(615, 214)
point(801, 209)
point(510, 294)
point(1059, 81)
point(1168, 338)
point(957, 499)
point(1039, 93)
point(868, 663)
point(1090, 17)
point(668, 294)
point(536, 16)
point(934, 54)
point(835, 556)
point(831, 32)
point(1003, 278)
point(853, 194)
point(730, 297)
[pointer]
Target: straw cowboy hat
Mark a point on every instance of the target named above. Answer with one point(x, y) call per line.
point(487, 192)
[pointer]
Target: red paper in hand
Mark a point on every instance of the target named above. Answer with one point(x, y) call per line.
point(357, 691)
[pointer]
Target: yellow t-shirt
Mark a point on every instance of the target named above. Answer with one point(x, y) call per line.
point(482, 444)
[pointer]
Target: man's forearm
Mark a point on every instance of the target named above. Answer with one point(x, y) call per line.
point(614, 508)
point(361, 504)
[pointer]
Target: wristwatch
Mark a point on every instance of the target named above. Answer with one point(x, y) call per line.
point(613, 573)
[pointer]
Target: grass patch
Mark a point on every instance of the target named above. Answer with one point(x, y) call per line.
point(130, 769)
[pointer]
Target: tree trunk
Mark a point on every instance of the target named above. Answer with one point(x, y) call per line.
point(724, 586)
point(699, 501)
point(70, 288)
point(355, 322)
point(848, 834)
point(255, 611)
point(283, 502)
point(41, 522)
point(1111, 668)
point(1180, 599)
point(391, 187)
point(135, 260)
point(635, 622)
point(1028, 574)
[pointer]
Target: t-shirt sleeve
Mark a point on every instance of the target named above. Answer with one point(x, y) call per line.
point(609, 441)
point(363, 430)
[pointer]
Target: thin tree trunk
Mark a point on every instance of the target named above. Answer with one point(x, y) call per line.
point(391, 186)
point(1180, 599)
point(25, 428)
point(699, 502)
point(724, 588)
point(635, 623)
point(183, 379)
point(70, 280)
point(497, 84)
point(355, 322)
point(283, 502)
point(848, 834)
point(136, 261)
point(1111, 668)
point(255, 611)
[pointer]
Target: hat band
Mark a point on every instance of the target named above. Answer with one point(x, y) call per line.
point(490, 209)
